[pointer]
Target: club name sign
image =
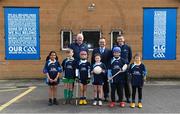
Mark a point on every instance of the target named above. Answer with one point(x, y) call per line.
point(22, 33)
point(159, 34)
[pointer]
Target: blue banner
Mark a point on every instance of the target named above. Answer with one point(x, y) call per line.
point(159, 34)
point(22, 33)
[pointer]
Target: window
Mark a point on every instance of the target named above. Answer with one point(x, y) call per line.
point(91, 38)
point(114, 34)
point(66, 39)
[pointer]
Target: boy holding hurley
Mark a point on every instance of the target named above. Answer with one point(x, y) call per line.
point(117, 82)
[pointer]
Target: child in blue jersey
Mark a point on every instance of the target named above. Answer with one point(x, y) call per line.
point(52, 69)
point(117, 83)
point(83, 74)
point(138, 73)
point(98, 79)
point(69, 67)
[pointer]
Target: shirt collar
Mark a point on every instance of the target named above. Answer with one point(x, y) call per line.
point(98, 63)
point(101, 47)
point(83, 61)
point(70, 58)
point(79, 44)
point(116, 58)
point(50, 61)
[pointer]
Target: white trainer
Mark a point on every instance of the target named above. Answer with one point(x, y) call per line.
point(100, 103)
point(95, 103)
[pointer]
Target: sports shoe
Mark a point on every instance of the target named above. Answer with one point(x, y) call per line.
point(132, 105)
point(55, 101)
point(100, 103)
point(95, 103)
point(64, 102)
point(70, 101)
point(112, 104)
point(139, 105)
point(50, 103)
point(106, 99)
point(122, 104)
point(127, 100)
point(80, 101)
point(85, 102)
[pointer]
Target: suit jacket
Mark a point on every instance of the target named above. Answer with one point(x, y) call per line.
point(105, 56)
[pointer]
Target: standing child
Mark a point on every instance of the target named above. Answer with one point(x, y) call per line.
point(117, 64)
point(69, 67)
point(98, 71)
point(52, 69)
point(138, 73)
point(83, 74)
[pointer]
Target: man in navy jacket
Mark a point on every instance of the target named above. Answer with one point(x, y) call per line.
point(78, 46)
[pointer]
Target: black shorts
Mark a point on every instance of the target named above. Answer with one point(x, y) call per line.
point(84, 82)
point(52, 83)
point(98, 82)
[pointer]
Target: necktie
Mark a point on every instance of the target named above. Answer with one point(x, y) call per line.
point(101, 50)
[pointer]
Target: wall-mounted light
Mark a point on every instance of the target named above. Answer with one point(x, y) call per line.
point(91, 7)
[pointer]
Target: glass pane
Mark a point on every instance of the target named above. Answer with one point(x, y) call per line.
point(66, 39)
point(115, 34)
point(91, 38)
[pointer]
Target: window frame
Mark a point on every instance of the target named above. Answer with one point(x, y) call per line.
point(62, 38)
point(111, 35)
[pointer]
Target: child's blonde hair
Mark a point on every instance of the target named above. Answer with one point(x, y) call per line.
point(69, 50)
point(137, 55)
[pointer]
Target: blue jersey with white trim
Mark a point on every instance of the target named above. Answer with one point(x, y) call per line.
point(137, 72)
point(52, 68)
point(116, 66)
point(84, 69)
point(102, 74)
point(69, 67)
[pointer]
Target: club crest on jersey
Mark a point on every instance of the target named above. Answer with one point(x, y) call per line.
point(136, 73)
point(53, 70)
point(83, 69)
point(116, 67)
point(69, 67)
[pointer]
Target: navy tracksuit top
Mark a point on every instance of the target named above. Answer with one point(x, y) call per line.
point(126, 52)
point(77, 49)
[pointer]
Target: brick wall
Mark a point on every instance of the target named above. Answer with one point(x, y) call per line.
point(73, 14)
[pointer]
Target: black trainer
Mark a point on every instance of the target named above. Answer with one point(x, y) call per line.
point(55, 101)
point(106, 99)
point(50, 102)
point(127, 100)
